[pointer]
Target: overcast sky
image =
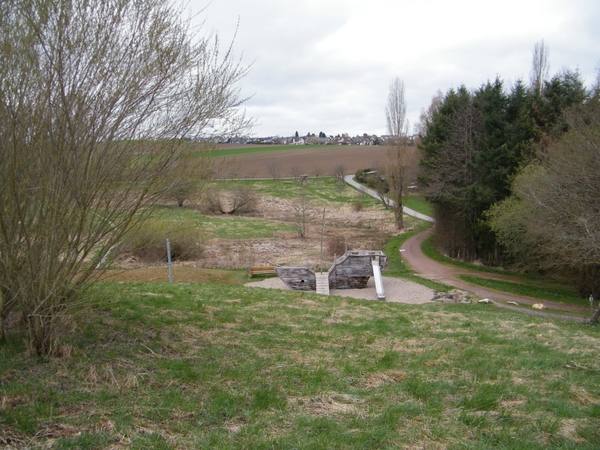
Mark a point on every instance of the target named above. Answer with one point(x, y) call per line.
point(326, 65)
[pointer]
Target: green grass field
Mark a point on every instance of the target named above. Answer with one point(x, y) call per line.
point(212, 366)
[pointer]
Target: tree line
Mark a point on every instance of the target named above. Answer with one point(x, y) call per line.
point(513, 174)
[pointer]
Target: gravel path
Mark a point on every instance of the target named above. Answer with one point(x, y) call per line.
point(396, 290)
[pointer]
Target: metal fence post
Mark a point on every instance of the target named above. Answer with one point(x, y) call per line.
point(170, 264)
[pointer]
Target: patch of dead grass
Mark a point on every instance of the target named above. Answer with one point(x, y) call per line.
point(583, 398)
point(375, 380)
point(328, 405)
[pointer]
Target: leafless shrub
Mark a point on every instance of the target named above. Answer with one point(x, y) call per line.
point(301, 215)
point(358, 205)
point(296, 172)
point(95, 100)
point(339, 172)
point(336, 245)
point(240, 199)
point(148, 243)
point(273, 169)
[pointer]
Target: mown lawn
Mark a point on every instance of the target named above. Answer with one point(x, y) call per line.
point(152, 365)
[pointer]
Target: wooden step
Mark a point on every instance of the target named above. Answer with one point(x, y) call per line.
point(322, 283)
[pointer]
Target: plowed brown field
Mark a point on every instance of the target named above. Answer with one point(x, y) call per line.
point(307, 160)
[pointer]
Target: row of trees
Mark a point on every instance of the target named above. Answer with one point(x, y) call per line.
point(96, 98)
point(512, 173)
point(551, 220)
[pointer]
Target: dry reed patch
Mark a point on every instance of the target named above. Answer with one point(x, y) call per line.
point(568, 429)
point(582, 397)
point(514, 328)
point(55, 431)
point(548, 326)
point(109, 376)
point(328, 405)
point(306, 302)
point(585, 341)
point(172, 313)
point(192, 336)
point(375, 380)
point(233, 427)
point(10, 401)
point(414, 345)
point(514, 403)
point(313, 358)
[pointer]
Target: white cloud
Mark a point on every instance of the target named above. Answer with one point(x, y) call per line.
point(325, 65)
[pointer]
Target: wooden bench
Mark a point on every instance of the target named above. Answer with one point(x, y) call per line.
point(260, 270)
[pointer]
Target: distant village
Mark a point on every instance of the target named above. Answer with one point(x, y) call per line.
point(310, 139)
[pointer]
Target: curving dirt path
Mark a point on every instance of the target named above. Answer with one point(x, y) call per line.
point(450, 275)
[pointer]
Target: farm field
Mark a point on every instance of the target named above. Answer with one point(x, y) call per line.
point(309, 160)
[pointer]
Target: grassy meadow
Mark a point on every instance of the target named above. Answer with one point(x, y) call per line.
point(153, 365)
point(214, 364)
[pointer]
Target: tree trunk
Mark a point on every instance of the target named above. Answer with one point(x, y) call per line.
point(398, 211)
point(399, 219)
point(2, 332)
point(42, 336)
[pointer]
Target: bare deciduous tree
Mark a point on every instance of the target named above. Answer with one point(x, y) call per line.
point(301, 216)
point(400, 161)
point(338, 173)
point(395, 111)
point(274, 170)
point(95, 99)
point(540, 67)
point(296, 172)
point(426, 116)
point(400, 171)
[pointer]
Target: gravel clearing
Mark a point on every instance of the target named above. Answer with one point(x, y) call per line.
point(396, 290)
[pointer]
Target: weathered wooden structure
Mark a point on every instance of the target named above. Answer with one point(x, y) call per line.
point(299, 278)
point(352, 270)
